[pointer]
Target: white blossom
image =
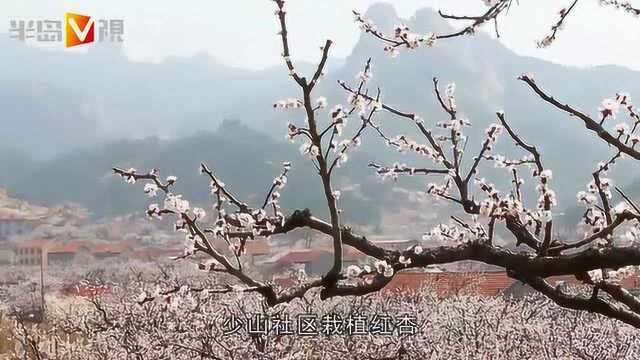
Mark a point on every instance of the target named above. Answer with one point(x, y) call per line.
point(189, 245)
point(336, 113)
point(210, 264)
point(595, 275)
point(364, 76)
point(176, 203)
point(151, 189)
point(322, 102)
point(199, 213)
point(450, 90)
point(392, 51)
point(130, 179)
point(388, 271)
point(382, 267)
point(310, 150)
point(546, 174)
point(429, 39)
point(353, 271)
point(622, 129)
point(342, 159)
point(620, 208)
point(609, 108)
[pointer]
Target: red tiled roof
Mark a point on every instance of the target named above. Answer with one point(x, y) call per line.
point(493, 283)
point(631, 282)
point(111, 248)
point(393, 242)
point(284, 282)
point(449, 283)
point(32, 244)
point(302, 256)
point(348, 253)
point(8, 214)
point(257, 248)
point(154, 253)
point(69, 247)
point(446, 283)
point(87, 291)
point(351, 254)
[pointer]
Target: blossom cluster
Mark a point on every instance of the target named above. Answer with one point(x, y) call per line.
point(402, 37)
point(413, 40)
point(288, 104)
point(611, 107)
point(626, 6)
point(458, 233)
point(403, 144)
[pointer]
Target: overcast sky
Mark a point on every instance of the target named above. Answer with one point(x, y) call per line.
point(242, 32)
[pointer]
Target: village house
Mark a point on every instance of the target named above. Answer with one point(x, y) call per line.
point(312, 261)
point(66, 253)
point(111, 249)
point(393, 244)
point(489, 283)
point(31, 252)
point(518, 289)
point(351, 256)
point(6, 254)
point(154, 253)
point(258, 251)
point(451, 283)
point(36, 251)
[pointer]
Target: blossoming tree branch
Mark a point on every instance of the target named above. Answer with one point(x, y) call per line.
point(404, 38)
point(596, 259)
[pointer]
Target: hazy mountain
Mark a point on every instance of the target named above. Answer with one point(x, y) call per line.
point(15, 165)
point(485, 73)
point(235, 153)
point(63, 107)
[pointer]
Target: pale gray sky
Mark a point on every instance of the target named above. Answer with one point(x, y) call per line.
point(242, 32)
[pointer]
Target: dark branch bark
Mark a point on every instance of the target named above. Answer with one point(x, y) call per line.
point(588, 121)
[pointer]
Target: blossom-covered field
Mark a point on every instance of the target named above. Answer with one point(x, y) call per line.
point(186, 316)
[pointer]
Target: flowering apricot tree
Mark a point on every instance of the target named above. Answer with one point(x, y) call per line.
point(405, 39)
point(598, 259)
point(192, 326)
point(198, 321)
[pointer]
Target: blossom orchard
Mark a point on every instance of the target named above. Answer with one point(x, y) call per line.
point(329, 133)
